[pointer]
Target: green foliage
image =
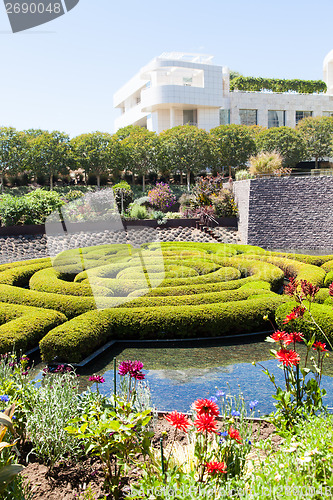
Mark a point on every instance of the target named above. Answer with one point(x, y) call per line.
point(32, 208)
point(53, 405)
point(115, 434)
point(257, 84)
point(233, 145)
point(138, 212)
point(284, 140)
point(78, 337)
point(123, 195)
point(22, 327)
point(186, 149)
point(8, 470)
point(317, 133)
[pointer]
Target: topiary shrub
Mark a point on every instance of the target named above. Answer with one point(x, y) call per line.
point(123, 195)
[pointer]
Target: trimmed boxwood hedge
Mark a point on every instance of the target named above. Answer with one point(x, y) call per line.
point(191, 298)
point(22, 327)
point(80, 336)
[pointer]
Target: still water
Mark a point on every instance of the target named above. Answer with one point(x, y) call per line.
point(180, 372)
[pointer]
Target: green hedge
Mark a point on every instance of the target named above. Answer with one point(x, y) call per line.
point(20, 275)
point(322, 313)
point(24, 326)
point(69, 305)
point(82, 335)
point(257, 84)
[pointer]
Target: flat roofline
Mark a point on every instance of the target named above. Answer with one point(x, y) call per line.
point(187, 57)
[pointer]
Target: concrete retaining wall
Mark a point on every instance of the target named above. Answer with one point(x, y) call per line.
point(286, 213)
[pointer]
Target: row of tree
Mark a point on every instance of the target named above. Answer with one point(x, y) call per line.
point(184, 150)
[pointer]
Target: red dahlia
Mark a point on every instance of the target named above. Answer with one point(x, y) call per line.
point(216, 467)
point(297, 312)
point(206, 423)
point(278, 336)
point(293, 337)
point(234, 434)
point(178, 420)
point(206, 406)
point(319, 346)
point(288, 358)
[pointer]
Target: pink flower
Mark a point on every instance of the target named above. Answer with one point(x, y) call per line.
point(133, 368)
point(96, 378)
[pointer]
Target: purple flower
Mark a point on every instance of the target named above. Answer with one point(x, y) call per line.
point(253, 404)
point(223, 434)
point(214, 399)
point(235, 413)
point(96, 378)
point(125, 367)
point(220, 394)
point(4, 398)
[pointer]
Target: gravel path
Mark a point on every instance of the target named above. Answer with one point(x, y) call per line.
point(14, 248)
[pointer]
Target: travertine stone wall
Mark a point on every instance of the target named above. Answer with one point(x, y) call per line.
point(286, 213)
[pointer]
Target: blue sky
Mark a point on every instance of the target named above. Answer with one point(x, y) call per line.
point(62, 75)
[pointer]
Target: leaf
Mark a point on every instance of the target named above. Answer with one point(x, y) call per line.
point(5, 445)
point(8, 472)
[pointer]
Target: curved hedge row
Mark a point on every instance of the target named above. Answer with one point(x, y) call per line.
point(87, 296)
point(23, 327)
point(77, 338)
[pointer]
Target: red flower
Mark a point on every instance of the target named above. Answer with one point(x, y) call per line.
point(288, 358)
point(206, 423)
point(278, 336)
point(331, 289)
point(308, 289)
point(216, 467)
point(319, 346)
point(234, 434)
point(291, 288)
point(297, 312)
point(293, 337)
point(178, 420)
point(206, 406)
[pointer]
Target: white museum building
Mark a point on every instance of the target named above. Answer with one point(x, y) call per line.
point(178, 88)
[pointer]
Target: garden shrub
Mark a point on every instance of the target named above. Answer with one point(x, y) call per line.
point(81, 335)
point(20, 275)
point(161, 196)
point(328, 279)
point(138, 211)
point(123, 195)
point(25, 326)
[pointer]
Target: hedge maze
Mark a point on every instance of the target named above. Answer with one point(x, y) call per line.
point(85, 297)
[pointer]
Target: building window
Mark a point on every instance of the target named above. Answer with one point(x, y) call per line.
point(328, 113)
point(190, 117)
point(302, 114)
point(248, 116)
point(224, 116)
point(276, 118)
point(187, 81)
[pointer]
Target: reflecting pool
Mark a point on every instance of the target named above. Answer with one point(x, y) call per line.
point(180, 372)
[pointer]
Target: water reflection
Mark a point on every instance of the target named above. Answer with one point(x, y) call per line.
point(178, 373)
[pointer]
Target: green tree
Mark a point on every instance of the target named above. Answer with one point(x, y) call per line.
point(187, 149)
point(12, 152)
point(140, 150)
point(49, 153)
point(284, 140)
point(233, 144)
point(317, 133)
point(96, 153)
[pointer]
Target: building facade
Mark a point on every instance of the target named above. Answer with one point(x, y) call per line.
point(177, 88)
